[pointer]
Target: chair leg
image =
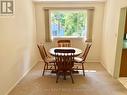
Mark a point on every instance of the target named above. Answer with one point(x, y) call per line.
point(71, 77)
point(44, 70)
point(83, 69)
point(57, 74)
point(55, 66)
point(64, 75)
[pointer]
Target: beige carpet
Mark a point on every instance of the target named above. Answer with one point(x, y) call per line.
point(96, 82)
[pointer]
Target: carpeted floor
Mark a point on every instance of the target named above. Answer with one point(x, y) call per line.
point(96, 82)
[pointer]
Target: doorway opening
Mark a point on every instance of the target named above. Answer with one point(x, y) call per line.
point(121, 54)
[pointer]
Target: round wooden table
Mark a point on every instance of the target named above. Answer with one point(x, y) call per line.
point(77, 51)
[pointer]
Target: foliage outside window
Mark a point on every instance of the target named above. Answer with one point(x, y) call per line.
point(72, 23)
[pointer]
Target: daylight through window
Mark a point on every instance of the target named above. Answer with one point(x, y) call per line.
point(68, 23)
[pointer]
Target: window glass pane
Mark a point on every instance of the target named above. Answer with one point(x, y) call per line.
point(68, 23)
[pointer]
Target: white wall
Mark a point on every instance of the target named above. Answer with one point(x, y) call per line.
point(95, 51)
point(110, 33)
point(18, 38)
point(17, 45)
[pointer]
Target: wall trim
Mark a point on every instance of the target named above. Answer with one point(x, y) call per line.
point(20, 79)
point(93, 61)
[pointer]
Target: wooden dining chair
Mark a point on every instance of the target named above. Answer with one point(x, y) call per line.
point(45, 51)
point(64, 62)
point(79, 61)
point(64, 43)
point(49, 62)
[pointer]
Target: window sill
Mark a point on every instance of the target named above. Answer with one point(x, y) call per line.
point(69, 37)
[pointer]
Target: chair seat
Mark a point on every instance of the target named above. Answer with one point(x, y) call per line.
point(50, 60)
point(78, 59)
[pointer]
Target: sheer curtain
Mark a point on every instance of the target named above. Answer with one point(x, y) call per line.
point(47, 27)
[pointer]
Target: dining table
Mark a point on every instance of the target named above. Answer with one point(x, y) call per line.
point(77, 53)
point(77, 50)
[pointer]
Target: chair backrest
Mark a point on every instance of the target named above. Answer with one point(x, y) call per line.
point(42, 52)
point(64, 43)
point(86, 51)
point(45, 51)
point(64, 59)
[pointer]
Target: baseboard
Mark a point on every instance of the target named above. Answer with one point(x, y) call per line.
point(93, 61)
point(20, 79)
point(105, 67)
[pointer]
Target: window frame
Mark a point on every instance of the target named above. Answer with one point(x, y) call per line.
point(55, 37)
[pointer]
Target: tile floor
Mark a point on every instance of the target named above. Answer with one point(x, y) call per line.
point(123, 80)
point(96, 82)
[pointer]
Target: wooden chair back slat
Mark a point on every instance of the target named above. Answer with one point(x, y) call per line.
point(42, 52)
point(86, 51)
point(64, 43)
point(64, 59)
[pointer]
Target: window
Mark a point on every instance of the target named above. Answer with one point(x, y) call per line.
point(68, 23)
